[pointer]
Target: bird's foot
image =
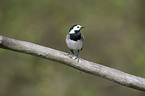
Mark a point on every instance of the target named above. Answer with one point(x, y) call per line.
point(71, 56)
point(74, 57)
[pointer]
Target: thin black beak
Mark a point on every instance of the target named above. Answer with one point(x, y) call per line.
point(82, 27)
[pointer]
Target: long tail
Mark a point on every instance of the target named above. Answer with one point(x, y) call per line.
point(77, 54)
point(80, 72)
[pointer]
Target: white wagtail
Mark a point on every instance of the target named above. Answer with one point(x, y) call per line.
point(74, 40)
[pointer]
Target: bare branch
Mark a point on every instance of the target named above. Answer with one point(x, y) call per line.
point(83, 65)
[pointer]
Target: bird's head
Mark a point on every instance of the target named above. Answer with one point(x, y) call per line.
point(75, 28)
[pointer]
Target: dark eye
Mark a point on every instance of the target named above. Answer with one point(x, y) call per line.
point(78, 27)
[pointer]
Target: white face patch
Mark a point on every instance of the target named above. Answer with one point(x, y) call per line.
point(76, 28)
point(72, 32)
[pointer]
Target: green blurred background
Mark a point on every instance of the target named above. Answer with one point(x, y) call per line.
point(114, 37)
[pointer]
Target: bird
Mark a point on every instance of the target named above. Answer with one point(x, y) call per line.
point(75, 40)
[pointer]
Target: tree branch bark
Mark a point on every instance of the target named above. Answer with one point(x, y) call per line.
point(83, 65)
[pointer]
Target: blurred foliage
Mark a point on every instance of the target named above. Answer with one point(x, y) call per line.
point(114, 36)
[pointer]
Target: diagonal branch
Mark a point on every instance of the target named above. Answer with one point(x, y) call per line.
point(83, 65)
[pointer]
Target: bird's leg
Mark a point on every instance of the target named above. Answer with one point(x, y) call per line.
point(74, 57)
point(72, 51)
point(71, 56)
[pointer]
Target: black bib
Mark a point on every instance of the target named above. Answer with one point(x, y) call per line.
point(75, 36)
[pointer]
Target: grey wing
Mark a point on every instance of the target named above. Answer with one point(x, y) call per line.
point(67, 37)
point(83, 38)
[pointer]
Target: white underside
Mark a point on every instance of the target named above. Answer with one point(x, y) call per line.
point(74, 45)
